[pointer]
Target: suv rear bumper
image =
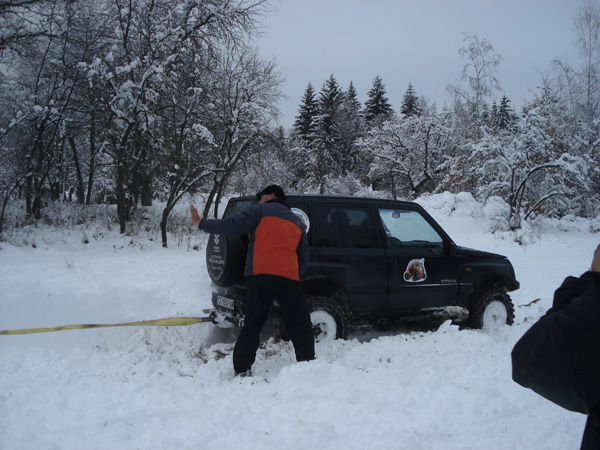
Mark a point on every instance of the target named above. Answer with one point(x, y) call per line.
point(228, 307)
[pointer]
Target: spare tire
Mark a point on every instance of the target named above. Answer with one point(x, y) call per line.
point(225, 259)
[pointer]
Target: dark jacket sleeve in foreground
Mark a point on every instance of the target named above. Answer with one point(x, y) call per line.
point(559, 356)
point(237, 225)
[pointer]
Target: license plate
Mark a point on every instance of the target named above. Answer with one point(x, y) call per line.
point(225, 302)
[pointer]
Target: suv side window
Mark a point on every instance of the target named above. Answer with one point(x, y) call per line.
point(406, 226)
point(346, 227)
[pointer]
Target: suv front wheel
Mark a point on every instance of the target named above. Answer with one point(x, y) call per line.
point(328, 318)
point(491, 310)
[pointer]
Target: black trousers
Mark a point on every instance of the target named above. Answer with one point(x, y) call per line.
point(261, 290)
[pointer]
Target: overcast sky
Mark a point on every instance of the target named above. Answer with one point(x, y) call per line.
point(413, 41)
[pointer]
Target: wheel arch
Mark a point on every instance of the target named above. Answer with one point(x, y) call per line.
point(499, 281)
point(330, 288)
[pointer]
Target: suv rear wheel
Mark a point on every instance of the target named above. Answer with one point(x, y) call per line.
point(491, 310)
point(328, 318)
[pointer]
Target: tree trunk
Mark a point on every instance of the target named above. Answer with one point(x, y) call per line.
point(36, 208)
point(146, 190)
point(163, 224)
point(122, 209)
point(218, 199)
point(90, 181)
point(209, 200)
point(6, 199)
point(28, 192)
point(80, 190)
point(92, 162)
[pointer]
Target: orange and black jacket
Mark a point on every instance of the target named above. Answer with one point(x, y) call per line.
point(278, 243)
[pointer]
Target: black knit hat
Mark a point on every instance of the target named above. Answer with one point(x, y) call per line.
point(273, 189)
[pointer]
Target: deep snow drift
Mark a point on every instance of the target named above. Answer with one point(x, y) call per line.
point(397, 387)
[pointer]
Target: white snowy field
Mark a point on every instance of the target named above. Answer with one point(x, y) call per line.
point(173, 388)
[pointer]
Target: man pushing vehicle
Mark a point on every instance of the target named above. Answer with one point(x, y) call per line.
point(277, 258)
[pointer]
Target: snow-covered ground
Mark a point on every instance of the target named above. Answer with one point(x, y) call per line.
point(173, 388)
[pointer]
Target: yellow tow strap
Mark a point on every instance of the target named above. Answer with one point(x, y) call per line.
point(174, 321)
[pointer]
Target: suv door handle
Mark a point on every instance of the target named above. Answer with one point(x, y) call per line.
point(334, 260)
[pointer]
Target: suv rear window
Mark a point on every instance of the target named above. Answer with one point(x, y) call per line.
point(234, 208)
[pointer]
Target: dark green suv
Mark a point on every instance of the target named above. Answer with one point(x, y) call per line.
point(371, 259)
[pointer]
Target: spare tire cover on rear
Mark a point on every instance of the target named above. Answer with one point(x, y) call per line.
point(225, 259)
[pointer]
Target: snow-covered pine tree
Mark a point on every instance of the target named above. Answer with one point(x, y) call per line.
point(349, 127)
point(410, 103)
point(307, 112)
point(493, 114)
point(377, 106)
point(325, 147)
point(506, 116)
point(330, 101)
point(351, 101)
